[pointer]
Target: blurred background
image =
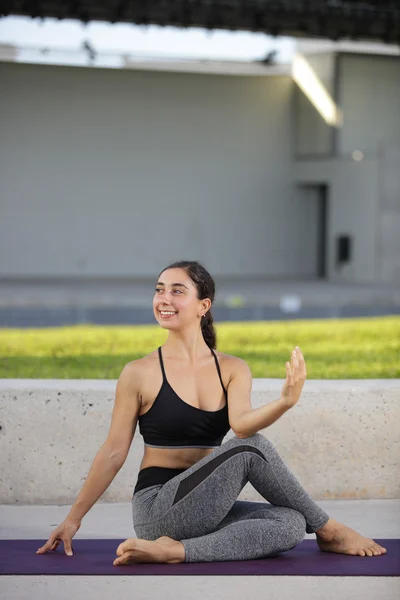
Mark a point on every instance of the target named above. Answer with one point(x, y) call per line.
point(261, 138)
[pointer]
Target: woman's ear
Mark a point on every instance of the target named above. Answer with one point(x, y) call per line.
point(207, 304)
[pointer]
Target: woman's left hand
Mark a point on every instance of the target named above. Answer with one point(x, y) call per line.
point(295, 377)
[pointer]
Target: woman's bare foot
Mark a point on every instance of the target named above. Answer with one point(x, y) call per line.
point(336, 537)
point(162, 550)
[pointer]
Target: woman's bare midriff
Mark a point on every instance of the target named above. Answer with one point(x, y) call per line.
point(181, 458)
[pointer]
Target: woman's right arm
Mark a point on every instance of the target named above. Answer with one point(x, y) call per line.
point(108, 460)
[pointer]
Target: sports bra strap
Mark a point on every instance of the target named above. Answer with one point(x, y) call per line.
point(162, 364)
point(216, 362)
point(219, 370)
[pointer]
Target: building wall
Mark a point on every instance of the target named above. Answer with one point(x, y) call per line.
point(312, 135)
point(388, 213)
point(352, 210)
point(369, 92)
point(364, 197)
point(369, 95)
point(116, 172)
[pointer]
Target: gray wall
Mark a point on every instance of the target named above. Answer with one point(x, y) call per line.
point(369, 92)
point(388, 217)
point(364, 197)
point(352, 210)
point(369, 95)
point(312, 135)
point(113, 173)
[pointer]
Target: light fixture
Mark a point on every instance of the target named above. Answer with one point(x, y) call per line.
point(310, 84)
point(357, 155)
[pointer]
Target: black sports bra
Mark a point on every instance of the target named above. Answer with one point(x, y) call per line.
point(173, 423)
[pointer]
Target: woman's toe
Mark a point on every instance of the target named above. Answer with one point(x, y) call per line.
point(124, 546)
point(124, 560)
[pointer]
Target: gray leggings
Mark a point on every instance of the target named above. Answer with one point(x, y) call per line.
point(199, 506)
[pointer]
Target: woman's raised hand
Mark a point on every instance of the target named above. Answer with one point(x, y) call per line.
point(295, 377)
point(63, 533)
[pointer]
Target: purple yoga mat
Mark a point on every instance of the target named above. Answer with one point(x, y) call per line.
point(95, 557)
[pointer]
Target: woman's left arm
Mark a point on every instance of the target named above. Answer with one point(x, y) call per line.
point(246, 421)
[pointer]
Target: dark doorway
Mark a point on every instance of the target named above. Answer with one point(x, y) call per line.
point(313, 225)
point(322, 230)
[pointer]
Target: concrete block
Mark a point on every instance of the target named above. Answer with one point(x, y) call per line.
point(341, 440)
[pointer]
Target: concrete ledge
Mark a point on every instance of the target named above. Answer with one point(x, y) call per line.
point(341, 440)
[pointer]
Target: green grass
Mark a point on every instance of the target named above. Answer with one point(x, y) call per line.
point(362, 348)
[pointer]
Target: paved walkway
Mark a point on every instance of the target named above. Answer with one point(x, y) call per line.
point(255, 292)
point(373, 518)
point(52, 303)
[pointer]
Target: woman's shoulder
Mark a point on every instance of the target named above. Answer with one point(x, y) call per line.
point(141, 365)
point(144, 364)
point(231, 364)
point(229, 359)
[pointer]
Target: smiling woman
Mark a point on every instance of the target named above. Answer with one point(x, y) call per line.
point(174, 295)
point(184, 505)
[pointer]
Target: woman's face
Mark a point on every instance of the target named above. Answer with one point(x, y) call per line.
point(175, 300)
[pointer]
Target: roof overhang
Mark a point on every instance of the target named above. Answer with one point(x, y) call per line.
point(338, 19)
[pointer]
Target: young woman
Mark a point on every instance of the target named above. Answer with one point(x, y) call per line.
point(186, 397)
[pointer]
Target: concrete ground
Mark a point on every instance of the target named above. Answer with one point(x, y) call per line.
point(373, 518)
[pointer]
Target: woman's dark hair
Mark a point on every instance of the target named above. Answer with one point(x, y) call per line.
point(205, 289)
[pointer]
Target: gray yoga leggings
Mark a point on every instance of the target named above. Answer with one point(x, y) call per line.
point(199, 506)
